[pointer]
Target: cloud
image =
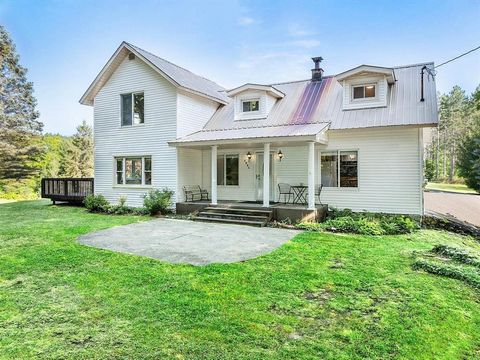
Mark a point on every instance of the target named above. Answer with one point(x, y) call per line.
point(306, 43)
point(246, 21)
point(297, 30)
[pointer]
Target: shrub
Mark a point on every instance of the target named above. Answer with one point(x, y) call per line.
point(456, 254)
point(158, 201)
point(454, 272)
point(96, 203)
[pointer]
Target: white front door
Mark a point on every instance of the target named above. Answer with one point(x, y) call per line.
point(259, 178)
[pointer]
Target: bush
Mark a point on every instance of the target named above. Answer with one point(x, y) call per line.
point(96, 203)
point(365, 223)
point(158, 201)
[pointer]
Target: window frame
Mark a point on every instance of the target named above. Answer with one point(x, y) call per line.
point(124, 158)
point(250, 100)
point(224, 156)
point(338, 153)
point(132, 94)
point(364, 86)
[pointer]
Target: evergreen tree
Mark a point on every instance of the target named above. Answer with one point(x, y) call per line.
point(20, 130)
point(77, 153)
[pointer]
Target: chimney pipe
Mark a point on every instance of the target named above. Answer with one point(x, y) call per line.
point(317, 72)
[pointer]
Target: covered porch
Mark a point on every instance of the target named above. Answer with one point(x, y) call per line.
point(253, 172)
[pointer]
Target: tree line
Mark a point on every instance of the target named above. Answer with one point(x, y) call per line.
point(452, 155)
point(26, 154)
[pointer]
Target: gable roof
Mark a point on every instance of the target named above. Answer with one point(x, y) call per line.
point(178, 76)
point(320, 102)
point(271, 90)
point(368, 69)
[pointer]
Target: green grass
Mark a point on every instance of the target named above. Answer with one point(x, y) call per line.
point(457, 188)
point(318, 296)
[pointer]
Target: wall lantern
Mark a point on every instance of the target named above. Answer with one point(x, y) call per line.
point(247, 161)
point(280, 155)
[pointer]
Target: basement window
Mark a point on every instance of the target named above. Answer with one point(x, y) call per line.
point(133, 105)
point(364, 91)
point(250, 105)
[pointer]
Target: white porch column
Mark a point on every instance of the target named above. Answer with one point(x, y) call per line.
point(311, 175)
point(266, 174)
point(214, 174)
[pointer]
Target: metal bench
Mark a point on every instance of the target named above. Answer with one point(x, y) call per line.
point(195, 193)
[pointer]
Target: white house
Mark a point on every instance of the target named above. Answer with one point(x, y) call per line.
point(358, 133)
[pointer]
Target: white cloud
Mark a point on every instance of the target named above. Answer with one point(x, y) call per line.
point(246, 21)
point(297, 30)
point(306, 43)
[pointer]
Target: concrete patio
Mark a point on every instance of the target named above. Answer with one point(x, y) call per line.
point(183, 241)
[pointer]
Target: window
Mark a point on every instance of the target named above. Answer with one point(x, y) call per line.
point(364, 91)
point(132, 109)
point(339, 168)
point(227, 170)
point(250, 105)
point(133, 170)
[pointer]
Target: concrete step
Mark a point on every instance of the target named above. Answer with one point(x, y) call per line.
point(230, 221)
point(233, 216)
point(238, 210)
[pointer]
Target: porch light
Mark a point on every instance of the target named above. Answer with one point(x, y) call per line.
point(280, 155)
point(249, 156)
point(247, 161)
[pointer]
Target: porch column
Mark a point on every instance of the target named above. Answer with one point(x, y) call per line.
point(266, 174)
point(214, 174)
point(311, 175)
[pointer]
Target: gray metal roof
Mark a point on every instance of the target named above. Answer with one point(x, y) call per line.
point(184, 77)
point(308, 102)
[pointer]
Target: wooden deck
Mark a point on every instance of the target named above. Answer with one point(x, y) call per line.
point(73, 190)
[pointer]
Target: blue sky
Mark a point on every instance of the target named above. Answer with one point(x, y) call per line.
point(65, 43)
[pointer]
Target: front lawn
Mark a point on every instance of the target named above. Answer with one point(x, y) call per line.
point(330, 296)
point(456, 188)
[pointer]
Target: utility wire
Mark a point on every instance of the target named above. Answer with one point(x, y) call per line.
point(457, 57)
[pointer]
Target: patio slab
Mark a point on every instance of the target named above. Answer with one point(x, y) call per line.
point(190, 242)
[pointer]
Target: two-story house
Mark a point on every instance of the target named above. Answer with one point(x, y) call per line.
point(358, 133)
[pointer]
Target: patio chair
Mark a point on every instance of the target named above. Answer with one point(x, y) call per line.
point(285, 190)
point(318, 191)
point(195, 192)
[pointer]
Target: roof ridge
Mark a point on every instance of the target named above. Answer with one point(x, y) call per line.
point(413, 65)
point(297, 81)
point(178, 66)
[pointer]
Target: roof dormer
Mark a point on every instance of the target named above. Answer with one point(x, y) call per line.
point(366, 86)
point(254, 101)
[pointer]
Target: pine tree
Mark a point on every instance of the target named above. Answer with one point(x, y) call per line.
point(77, 153)
point(20, 129)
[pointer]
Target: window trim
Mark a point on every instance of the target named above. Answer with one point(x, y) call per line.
point(338, 151)
point(132, 112)
point(124, 178)
point(250, 100)
point(224, 155)
point(363, 99)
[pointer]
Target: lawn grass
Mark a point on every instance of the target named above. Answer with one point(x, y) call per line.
point(456, 188)
point(318, 296)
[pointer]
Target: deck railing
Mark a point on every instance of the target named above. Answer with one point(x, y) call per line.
point(67, 189)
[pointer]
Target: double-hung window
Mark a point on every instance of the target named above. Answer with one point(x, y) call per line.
point(339, 168)
point(227, 169)
point(133, 170)
point(133, 109)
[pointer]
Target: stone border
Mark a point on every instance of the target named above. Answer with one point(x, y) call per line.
point(434, 220)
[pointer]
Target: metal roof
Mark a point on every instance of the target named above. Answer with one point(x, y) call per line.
point(308, 102)
point(177, 75)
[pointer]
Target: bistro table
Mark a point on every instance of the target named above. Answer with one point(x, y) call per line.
point(299, 194)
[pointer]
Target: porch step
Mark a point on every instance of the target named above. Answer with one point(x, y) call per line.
point(235, 215)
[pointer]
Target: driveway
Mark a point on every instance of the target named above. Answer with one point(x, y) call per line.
point(465, 207)
point(183, 241)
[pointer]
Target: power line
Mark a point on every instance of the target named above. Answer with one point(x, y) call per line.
point(457, 57)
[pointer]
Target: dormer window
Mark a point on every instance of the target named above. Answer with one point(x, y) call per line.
point(364, 91)
point(250, 105)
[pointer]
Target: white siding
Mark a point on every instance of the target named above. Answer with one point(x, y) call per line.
point(190, 169)
point(149, 138)
point(259, 95)
point(193, 112)
point(389, 170)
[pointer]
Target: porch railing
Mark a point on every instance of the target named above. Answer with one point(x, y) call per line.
point(67, 189)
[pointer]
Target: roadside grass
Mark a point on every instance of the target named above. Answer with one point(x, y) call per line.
point(328, 296)
point(456, 188)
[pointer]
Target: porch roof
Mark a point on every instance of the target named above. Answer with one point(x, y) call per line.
point(295, 133)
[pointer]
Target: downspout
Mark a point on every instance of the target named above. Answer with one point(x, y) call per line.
point(423, 72)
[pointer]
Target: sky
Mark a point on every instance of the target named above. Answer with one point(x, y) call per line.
point(65, 43)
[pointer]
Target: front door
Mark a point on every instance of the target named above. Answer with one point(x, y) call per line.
point(259, 177)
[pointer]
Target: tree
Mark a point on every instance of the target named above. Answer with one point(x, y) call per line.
point(77, 153)
point(20, 130)
point(469, 161)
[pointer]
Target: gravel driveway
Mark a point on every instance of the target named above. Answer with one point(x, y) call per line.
point(183, 241)
point(465, 207)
